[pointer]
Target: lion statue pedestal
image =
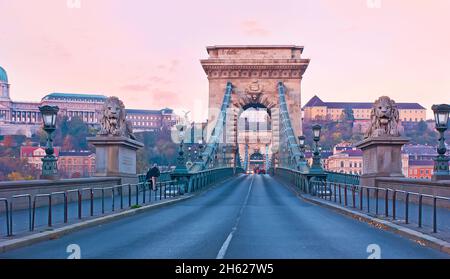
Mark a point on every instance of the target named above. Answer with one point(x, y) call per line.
point(382, 145)
point(115, 144)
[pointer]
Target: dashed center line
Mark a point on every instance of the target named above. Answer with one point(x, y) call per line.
point(226, 244)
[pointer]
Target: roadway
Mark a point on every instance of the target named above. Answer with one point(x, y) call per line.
point(250, 216)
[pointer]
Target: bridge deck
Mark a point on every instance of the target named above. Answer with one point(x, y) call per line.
point(248, 217)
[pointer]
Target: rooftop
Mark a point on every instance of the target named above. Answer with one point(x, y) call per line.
point(3, 75)
point(151, 111)
point(316, 101)
point(419, 149)
point(254, 47)
point(58, 95)
point(421, 163)
point(75, 153)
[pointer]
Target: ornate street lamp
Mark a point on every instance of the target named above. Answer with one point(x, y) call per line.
point(49, 162)
point(441, 169)
point(190, 153)
point(181, 162)
point(316, 166)
point(200, 149)
point(301, 144)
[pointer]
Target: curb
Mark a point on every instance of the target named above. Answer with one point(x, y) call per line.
point(418, 237)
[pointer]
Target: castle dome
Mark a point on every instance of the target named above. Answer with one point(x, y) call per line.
point(3, 75)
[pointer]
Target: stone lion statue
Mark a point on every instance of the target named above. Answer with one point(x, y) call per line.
point(384, 118)
point(113, 120)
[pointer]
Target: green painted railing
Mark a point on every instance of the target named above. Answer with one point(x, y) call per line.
point(203, 179)
point(164, 177)
point(307, 183)
point(345, 178)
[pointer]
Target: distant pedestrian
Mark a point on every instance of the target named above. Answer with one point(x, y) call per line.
point(152, 174)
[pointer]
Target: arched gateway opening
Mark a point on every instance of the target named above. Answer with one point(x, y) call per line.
point(255, 136)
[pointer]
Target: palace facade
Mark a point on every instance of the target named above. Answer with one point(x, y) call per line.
point(316, 109)
point(24, 117)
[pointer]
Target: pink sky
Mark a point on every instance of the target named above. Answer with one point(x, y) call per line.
point(147, 52)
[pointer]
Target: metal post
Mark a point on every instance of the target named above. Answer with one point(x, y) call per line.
point(420, 211)
point(345, 195)
point(79, 204)
point(113, 199)
point(49, 210)
point(65, 207)
point(407, 208)
point(353, 197)
point(394, 196)
point(340, 198)
point(103, 200)
point(121, 196)
point(434, 215)
point(129, 195)
point(361, 189)
point(92, 201)
point(376, 201)
point(368, 200)
point(386, 203)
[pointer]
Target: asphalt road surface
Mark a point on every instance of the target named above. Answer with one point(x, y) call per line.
point(251, 216)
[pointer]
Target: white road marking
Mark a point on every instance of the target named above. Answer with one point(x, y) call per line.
point(224, 248)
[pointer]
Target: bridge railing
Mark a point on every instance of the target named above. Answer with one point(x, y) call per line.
point(339, 177)
point(203, 179)
point(89, 202)
point(425, 211)
point(164, 176)
point(397, 205)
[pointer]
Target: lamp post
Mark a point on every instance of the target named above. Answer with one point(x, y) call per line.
point(303, 166)
point(190, 152)
point(301, 144)
point(316, 166)
point(49, 162)
point(441, 169)
point(200, 149)
point(224, 159)
point(181, 162)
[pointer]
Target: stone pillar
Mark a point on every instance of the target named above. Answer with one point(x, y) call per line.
point(116, 157)
point(382, 157)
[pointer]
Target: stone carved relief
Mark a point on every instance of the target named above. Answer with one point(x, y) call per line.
point(263, 73)
point(113, 120)
point(384, 118)
point(255, 94)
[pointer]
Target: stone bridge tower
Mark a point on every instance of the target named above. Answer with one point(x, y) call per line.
point(255, 71)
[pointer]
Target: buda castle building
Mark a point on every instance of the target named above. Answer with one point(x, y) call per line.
point(24, 117)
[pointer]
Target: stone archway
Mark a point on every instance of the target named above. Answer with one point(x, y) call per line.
point(254, 72)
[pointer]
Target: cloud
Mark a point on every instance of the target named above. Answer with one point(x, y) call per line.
point(158, 80)
point(135, 87)
point(147, 84)
point(163, 98)
point(254, 28)
point(170, 67)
